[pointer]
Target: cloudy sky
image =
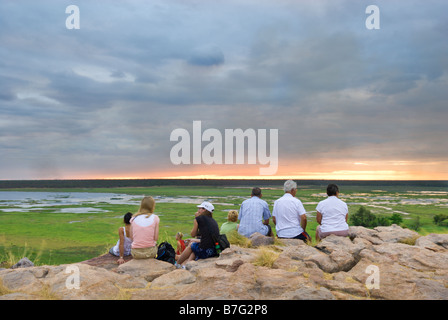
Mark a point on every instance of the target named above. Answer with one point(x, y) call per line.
point(101, 101)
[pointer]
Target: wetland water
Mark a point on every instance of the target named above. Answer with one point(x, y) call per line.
point(29, 201)
point(75, 202)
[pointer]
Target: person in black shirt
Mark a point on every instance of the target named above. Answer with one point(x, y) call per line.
point(205, 247)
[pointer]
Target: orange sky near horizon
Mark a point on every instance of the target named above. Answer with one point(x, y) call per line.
point(338, 170)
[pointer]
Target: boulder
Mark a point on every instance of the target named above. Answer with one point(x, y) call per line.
point(173, 278)
point(414, 257)
point(434, 242)
point(308, 293)
point(54, 282)
point(257, 240)
point(395, 233)
point(23, 263)
point(369, 264)
point(106, 261)
point(378, 235)
point(149, 269)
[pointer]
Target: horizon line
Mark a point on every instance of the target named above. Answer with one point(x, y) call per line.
point(220, 178)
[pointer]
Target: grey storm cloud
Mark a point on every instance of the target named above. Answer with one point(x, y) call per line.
point(108, 95)
point(207, 56)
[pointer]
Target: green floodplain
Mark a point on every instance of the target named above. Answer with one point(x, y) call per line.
point(56, 232)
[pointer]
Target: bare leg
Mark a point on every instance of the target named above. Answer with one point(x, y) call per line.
point(190, 258)
point(317, 234)
point(185, 255)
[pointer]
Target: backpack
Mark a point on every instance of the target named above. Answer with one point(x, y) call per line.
point(165, 252)
point(222, 242)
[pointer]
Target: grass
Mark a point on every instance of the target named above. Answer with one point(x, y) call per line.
point(409, 241)
point(266, 257)
point(49, 236)
point(12, 257)
point(239, 240)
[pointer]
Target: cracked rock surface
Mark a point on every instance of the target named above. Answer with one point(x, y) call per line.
point(369, 264)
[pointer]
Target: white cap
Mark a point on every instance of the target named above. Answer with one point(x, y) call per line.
point(207, 206)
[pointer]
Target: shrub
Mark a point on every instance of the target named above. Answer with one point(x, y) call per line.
point(365, 218)
point(439, 219)
point(382, 221)
point(396, 218)
point(265, 257)
point(415, 225)
point(239, 240)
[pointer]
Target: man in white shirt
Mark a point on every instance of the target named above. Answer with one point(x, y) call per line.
point(332, 214)
point(289, 215)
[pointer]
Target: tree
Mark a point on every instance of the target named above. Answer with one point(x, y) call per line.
point(396, 218)
point(363, 217)
point(439, 219)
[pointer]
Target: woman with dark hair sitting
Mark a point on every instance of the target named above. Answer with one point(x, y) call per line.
point(124, 243)
point(205, 247)
point(332, 214)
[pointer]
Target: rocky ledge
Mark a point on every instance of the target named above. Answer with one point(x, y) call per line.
point(381, 263)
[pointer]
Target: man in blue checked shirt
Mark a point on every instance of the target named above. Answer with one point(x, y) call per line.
point(254, 215)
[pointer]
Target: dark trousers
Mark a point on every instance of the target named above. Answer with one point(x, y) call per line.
point(303, 236)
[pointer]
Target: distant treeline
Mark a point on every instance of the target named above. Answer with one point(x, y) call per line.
point(123, 183)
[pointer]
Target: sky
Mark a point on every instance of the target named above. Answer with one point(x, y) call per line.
point(101, 101)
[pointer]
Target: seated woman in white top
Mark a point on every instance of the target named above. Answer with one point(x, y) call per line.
point(124, 243)
point(332, 214)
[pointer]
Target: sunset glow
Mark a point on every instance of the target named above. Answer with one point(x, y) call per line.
point(395, 170)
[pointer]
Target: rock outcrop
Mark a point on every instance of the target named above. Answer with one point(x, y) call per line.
point(381, 263)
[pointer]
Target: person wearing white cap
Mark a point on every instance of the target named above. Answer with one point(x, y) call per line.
point(207, 206)
point(205, 248)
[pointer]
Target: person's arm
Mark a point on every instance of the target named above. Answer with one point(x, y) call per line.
point(274, 213)
point(319, 217)
point(194, 231)
point(121, 246)
point(266, 214)
point(346, 210)
point(303, 221)
point(302, 214)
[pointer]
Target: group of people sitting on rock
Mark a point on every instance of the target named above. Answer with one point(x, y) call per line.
point(138, 238)
point(141, 231)
point(289, 215)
